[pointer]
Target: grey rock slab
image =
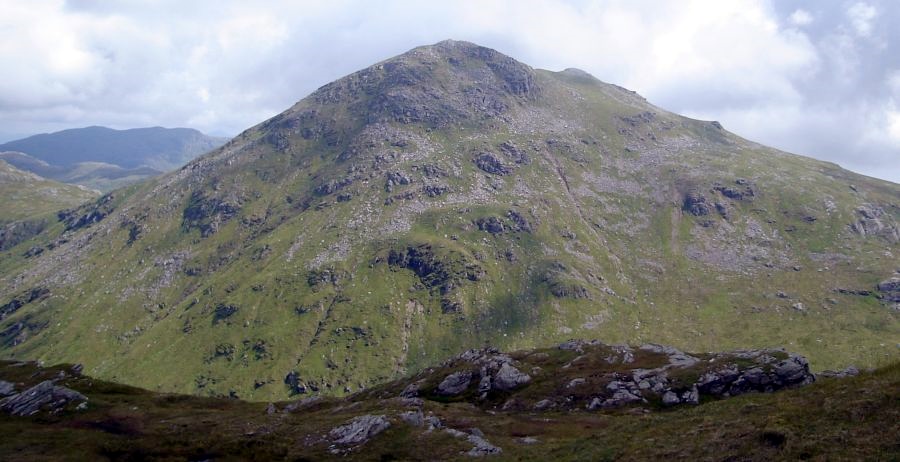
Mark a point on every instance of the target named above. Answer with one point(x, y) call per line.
point(360, 429)
point(45, 395)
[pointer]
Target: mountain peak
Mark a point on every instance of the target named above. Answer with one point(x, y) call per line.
point(445, 84)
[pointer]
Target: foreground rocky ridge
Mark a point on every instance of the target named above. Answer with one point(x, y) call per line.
point(523, 405)
point(580, 375)
point(444, 199)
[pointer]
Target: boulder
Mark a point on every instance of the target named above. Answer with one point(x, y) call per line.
point(360, 429)
point(414, 418)
point(508, 378)
point(482, 447)
point(794, 371)
point(455, 383)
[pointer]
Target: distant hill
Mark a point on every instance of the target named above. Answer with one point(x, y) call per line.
point(25, 194)
point(156, 147)
point(101, 176)
point(105, 159)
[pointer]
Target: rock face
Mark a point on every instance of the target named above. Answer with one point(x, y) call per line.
point(359, 430)
point(43, 396)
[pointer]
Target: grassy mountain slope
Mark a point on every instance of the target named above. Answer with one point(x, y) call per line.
point(26, 195)
point(155, 147)
point(851, 418)
point(448, 198)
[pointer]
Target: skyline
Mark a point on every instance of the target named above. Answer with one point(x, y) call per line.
point(818, 79)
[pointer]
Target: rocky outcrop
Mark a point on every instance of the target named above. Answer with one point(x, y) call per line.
point(45, 396)
point(359, 430)
point(599, 377)
point(481, 446)
point(89, 214)
point(873, 221)
point(743, 190)
point(513, 152)
point(438, 270)
point(17, 232)
point(890, 289)
point(490, 163)
point(513, 222)
point(35, 294)
point(494, 372)
point(208, 214)
point(396, 179)
point(696, 204)
point(491, 225)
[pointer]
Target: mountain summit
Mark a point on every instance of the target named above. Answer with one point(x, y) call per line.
point(445, 199)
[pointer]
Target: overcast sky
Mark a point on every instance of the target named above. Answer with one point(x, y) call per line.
point(819, 78)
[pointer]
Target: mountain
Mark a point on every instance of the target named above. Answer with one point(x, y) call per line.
point(445, 199)
point(57, 413)
point(155, 147)
point(26, 195)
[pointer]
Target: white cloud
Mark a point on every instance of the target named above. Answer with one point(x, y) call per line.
point(222, 66)
point(801, 17)
point(892, 117)
point(893, 82)
point(861, 16)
